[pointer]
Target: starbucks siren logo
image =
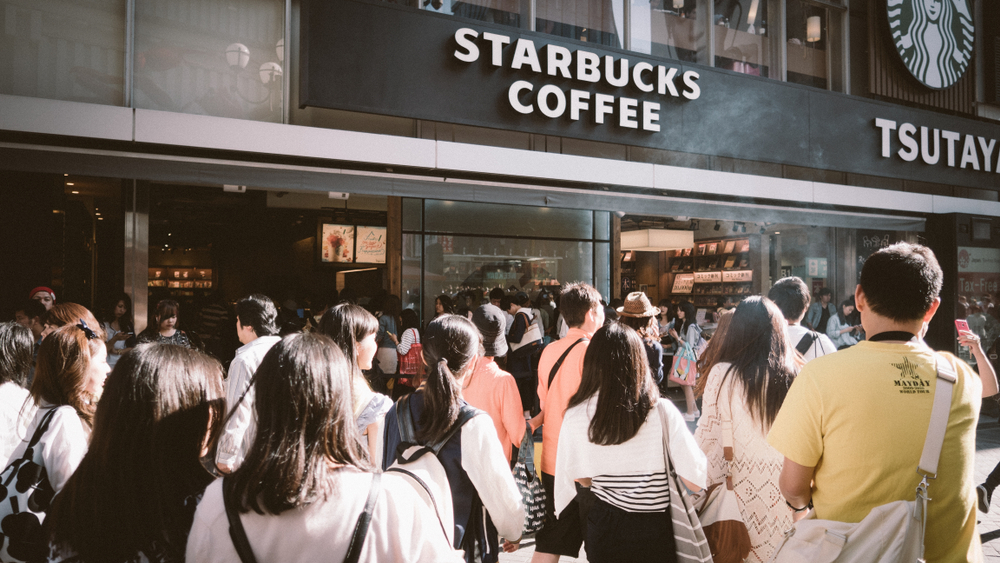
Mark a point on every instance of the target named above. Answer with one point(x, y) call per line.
point(934, 38)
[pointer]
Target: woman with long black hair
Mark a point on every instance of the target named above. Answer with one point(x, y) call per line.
point(134, 494)
point(486, 502)
point(306, 479)
point(118, 328)
point(612, 442)
point(754, 366)
point(841, 328)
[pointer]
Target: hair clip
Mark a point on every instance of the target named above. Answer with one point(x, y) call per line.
point(82, 325)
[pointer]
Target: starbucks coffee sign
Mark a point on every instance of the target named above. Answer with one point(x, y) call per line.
point(934, 38)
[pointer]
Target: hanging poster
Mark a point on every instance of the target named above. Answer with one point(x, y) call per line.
point(338, 243)
point(371, 245)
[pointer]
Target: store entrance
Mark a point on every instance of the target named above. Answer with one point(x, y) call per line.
point(208, 247)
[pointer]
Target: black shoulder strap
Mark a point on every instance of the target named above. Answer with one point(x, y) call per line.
point(29, 452)
point(404, 420)
point(806, 342)
point(236, 531)
point(361, 529)
point(559, 362)
point(420, 482)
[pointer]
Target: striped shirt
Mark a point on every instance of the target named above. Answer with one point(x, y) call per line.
point(637, 492)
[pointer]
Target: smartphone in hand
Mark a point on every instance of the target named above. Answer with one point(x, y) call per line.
point(961, 325)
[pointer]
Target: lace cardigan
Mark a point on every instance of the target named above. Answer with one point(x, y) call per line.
point(756, 465)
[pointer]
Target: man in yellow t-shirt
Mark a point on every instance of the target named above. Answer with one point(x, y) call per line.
point(853, 425)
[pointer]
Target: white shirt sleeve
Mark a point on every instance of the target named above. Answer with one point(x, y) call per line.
point(489, 471)
point(64, 445)
point(230, 450)
point(688, 458)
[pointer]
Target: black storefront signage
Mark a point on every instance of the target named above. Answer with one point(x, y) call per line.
point(585, 67)
point(383, 58)
point(938, 147)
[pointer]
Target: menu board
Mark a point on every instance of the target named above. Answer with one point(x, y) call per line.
point(338, 243)
point(371, 245)
point(683, 283)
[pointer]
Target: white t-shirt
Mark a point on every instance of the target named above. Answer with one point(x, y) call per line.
point(13, 424)
point(638, 462)
point(402, 528)
point(62, 446)
point(820, 347)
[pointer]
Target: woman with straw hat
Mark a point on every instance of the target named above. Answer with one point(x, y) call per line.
point(639, 314)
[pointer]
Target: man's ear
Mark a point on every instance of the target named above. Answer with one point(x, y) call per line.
point(932, 309)
point(860, 302)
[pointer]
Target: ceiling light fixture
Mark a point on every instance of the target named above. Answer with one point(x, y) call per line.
point(718, 225)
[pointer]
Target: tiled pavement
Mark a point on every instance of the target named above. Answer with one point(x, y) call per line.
point(987, 457)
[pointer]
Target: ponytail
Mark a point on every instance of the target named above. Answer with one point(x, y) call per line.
point(450, 344)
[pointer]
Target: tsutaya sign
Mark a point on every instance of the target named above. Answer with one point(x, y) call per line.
point(581, 66)
point(939, 147)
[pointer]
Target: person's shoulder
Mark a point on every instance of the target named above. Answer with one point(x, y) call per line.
point(211, 505)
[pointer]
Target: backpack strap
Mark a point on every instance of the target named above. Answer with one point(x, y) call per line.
point(465, 414)
point(361, 528)
point(806, 342)
point(559, 362)
point(236, 531)
point(426, 489)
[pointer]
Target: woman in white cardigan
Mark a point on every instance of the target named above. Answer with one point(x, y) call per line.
point(611, 443)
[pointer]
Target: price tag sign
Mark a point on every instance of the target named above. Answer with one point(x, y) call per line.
point(707, 277)
point(738, 276)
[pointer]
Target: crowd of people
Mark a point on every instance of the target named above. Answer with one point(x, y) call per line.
point(302, 451)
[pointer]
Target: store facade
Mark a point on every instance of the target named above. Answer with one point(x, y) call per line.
point(504, 142)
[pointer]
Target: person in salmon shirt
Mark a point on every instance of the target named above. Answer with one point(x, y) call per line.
point(560, 371)
point(492, 389)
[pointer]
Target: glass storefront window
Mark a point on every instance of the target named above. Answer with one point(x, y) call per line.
point(509, 220)
point(456, 264)
point(412, 271)
point(595, 21)
point(61, 50)
point(502, 12)
point(671, 29)
point(742, 41)
point(412, 214)
point(212, 58)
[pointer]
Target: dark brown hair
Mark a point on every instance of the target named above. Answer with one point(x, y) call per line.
point(165, 309)
point(710, 356)
point(134, 485)
point(901, 281)
point(757, 350)
point(615, 367)
point(305, 425)
point(61, 376)
point(16, 348)
point(575, 301)
point(347, 325)
point(450, 344)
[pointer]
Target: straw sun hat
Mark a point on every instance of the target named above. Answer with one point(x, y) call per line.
point(638, 305)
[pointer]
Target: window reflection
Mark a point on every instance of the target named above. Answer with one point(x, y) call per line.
point(594, 21)
point(668, 28)
point(213, 57)
point(502, 12)
point(63, 50)
point(741, 37)
point(807, 44)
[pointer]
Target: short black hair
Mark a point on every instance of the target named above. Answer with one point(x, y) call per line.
point(825, 291)
point(497, 293)
point(791, 295)
point(258, 311)
point(32, 308)
point(16, 347)
point(901, 281)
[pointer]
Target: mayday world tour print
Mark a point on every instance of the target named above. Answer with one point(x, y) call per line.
point(934, 38)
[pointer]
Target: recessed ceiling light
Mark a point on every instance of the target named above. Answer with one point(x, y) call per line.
point(75, 192)
point(70, 184)
point(777, 232)
point(65, 174)
point(98, 214)
point(100, 218)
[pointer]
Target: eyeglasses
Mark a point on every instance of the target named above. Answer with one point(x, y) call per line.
point(82, 325)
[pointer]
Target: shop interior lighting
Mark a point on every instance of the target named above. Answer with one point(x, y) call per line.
point(655, 240)
point(678, 4)
point(813, 31)
point(237, 55)
point(718, 225)
point(70, 184)
point(75, 192)
point(736, 228)
point(694, 225)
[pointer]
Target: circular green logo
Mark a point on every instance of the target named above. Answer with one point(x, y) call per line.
point(934, 38)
